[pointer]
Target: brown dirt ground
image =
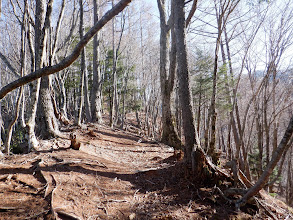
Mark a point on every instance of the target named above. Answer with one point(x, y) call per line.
point(116, 174)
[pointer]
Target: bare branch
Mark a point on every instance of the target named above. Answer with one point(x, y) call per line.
point(67, 61)
point(277, 154)
point(191, 13)
point(8, 64)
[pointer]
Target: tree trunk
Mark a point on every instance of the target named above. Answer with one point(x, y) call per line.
point(38, 61)
point(22, 71)
point(169, 135)
point(96, 92)
point(277, 154)
point(184, 83)
point(48, 122)
point(289, 188)
point(84, 100)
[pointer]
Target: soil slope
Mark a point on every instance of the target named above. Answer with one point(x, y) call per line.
point(115, 174)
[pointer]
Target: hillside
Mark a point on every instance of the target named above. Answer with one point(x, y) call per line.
point(116, 174)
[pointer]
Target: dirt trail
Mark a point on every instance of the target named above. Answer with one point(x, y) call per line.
point(115, 175)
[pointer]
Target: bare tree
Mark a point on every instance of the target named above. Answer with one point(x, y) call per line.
point(67, 61)
point(277, 154)
point(96, 92)
point(184, 84)
point(22, 71)
point(169, 135)
point(83, 93)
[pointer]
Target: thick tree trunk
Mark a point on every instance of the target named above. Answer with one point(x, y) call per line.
point(96, 92)
point(38, 63)
point(86, 88)
point(184, 84)
point(49, 123)
point(193, 154)
point(169, 135)
point(83, 101)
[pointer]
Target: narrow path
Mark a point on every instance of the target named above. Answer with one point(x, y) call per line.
point(115, 175)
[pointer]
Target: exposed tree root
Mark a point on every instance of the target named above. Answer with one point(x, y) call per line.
point(265, 207)
point(170, 137)
point(205, 170)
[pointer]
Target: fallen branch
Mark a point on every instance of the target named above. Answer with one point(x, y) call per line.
point(268, 211)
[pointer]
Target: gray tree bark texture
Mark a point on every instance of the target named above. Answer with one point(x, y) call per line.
point(38, 63)
point(169, 135)
point(96, 92)
point(83, 95)
point(183, 77)
point(48, 121)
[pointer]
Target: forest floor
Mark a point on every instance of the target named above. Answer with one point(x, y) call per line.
point(116, 174)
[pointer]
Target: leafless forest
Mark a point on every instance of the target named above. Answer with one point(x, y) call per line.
point(211, 79)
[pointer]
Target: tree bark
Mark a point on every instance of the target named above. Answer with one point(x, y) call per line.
point(38, 59)
point(22, 70)
point(49, 126)
point(96, 92)
point(114, 96)
point(83, 93)
point(169, 135)
point(184, 82)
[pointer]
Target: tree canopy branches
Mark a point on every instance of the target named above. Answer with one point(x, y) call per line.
point(67, 61)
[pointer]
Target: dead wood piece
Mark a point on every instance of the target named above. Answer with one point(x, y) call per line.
point(96, 165)
point(6, 209)
point(206, 171)
point(3, 177)
point(50, 186)
point(244, 179)
point(52, 198)
point(265, 206)
point(113, 200)
point(149, 172)
point(26, 184)
point(222, 173)
point(234, 168)
point(30, 160)
point(234, 192)
point(61, 214)
point(35, 164)
point(223, 195)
